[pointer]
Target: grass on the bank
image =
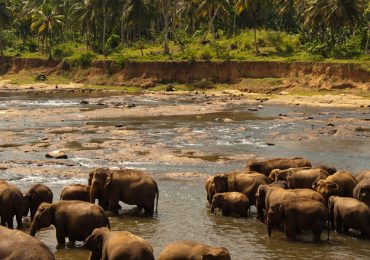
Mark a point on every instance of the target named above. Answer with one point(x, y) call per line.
point(273, 45)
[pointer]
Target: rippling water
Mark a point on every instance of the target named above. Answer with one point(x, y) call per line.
point(183, 209)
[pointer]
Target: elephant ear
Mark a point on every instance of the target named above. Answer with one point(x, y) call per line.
point(94, 243)
point(91, 175)
point(108, 181)
point(208, 257)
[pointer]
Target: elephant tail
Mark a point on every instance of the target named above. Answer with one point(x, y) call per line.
point(328, 230)
point(157, 195)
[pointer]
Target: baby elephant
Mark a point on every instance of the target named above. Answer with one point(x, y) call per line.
point(346, 213)
point(76, 192)
point(231, 202)
point(187, 250)
point(110, 245)
point(299, 214)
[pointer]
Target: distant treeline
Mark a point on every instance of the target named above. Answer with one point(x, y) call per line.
point(330, 28)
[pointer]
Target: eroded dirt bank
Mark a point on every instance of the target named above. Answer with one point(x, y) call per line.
point(106, 72)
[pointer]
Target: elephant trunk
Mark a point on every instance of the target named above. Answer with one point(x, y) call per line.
point(212, 208)
point(33, 229)
point(93, 194)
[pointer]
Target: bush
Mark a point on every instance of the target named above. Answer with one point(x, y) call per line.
point(113, 41)
point(274, 38)
point(85, 59)
point(206, 54)
point(348, 50)
point(62, 51)
point(31, 46)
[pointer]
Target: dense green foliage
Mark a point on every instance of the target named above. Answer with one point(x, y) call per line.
point(185, 29)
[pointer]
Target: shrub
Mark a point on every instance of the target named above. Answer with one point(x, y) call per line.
point(206, 54)
point(62, 51)
point(113, 41)
point(85, 59)
point(348, 50)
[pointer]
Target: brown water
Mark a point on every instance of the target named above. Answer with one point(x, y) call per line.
point(183, 210)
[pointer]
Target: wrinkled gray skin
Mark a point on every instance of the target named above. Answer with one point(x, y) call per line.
point(246, 183)
point(339, 184)
point(17, 245)
point(267, 195)
point(187, 250)
point(265, 167)
point(299, 214)
point(71, 218)
point(11, 204)
point(76, 192)
point(36, 195)
point(362, 191)
point(132, 187)
point(106, 244)
point(231, 203)
point(346, 213)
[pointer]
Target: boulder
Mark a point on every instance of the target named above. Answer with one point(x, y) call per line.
point(56, 155)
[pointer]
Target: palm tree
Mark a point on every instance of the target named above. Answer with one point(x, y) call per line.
point(251, 6)
point(45, 19)
point(334, 14)
point(4, 21)
point(211, 9)
point(86, 13)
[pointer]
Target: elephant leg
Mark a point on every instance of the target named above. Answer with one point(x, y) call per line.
point(19, 221)
point(61, 237)
point(290, 232)
point(345, 229)
point(316, 235)
point(338, 224)
point(149, 207)
point(113, 205)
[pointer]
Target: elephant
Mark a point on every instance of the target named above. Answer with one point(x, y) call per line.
point(71, 218)
point(299, 214)
point(246, 183)
point(346, 213)
point(110, 245)
point(339, 184)
point(280, 184)
point(188, 250)
point(17, 245)
point(231, 202)
point(329, 169)
point(35, 196)
point(132, 187)
point(265, 167)
point(300, 178)
point(362, 176)
point(11, 204)
point(76, 192)
point(268, 195)
point(210, 188)
point(362, 191)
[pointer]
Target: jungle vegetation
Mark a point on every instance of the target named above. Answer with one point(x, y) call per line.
point(186, 29)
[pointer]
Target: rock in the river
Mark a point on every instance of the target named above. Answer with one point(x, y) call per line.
point(57, 155)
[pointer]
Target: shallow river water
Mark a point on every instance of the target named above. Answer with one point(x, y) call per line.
point(183, 212)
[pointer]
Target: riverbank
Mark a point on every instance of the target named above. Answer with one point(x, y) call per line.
point(298, 83)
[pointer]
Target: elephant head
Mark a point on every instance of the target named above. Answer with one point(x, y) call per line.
point(98, 185)
point(221, 183)
point(326, 188)
point(216, 253)
point(260, 201)
point(275, 216)
point(44, 218)
point(281, 175)
point(362, 192)
point(217, 201)
point(255, 166)
point(95, 242)
point(272, 175)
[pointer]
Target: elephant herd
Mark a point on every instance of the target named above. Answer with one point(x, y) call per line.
point(76, 217)
point(291, 195)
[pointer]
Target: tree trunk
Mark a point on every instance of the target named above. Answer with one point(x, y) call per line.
point(255, 39)
point(104, 26)
point(166, 49)
point(50, 44)
point(367, 47)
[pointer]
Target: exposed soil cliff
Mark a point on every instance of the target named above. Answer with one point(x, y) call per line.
point(316, 74)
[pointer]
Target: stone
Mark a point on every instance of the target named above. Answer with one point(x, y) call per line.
point(56, 155)
point(84, 102)
point(253, 109)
